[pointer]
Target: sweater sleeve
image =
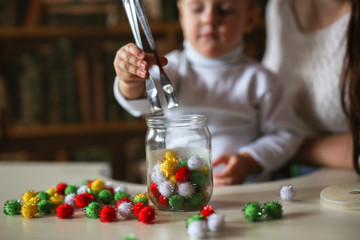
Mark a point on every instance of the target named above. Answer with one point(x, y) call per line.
point(136, 107)
point(280, 138)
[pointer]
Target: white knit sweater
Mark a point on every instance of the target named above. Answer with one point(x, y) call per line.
point(309, 65)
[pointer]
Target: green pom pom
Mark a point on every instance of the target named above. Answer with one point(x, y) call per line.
point(12, 207)
point(141, 199)
point(70, 189)
point(253, 211)
point(106, 196)
point(273, 210)
point(194, 218)
point(176, 201)
point(93, 210)
point(130, 237)
point(198, 178)
point(182, 163)
point(85, 182)
point(121, 194)
point(197, 199)
point(45, 207)
point(43, 195)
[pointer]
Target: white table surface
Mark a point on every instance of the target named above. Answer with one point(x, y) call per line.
point(304, 218)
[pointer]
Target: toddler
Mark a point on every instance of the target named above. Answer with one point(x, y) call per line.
point(252, 127)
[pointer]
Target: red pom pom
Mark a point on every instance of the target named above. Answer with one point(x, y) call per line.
point(154, 190)
point(207, 211)
point(107, 214)
point(147, 215)
point(65, 211)
point(137, 208)
point(163, 201)
point(111, 189)
point(125, 199)
point(82, 200)
point(89, 183)
point(183, 174)
point(61, 188)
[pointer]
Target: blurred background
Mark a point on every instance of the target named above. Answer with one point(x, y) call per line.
point(56, 80)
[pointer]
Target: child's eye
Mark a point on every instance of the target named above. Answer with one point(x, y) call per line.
point(197, 9)
point(225, 11)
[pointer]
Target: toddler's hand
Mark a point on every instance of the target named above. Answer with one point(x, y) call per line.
point(131, 66)
point(237, 167)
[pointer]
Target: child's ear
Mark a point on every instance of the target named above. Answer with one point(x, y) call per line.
point(252, 18)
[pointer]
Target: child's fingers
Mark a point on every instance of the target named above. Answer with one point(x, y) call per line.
point(227, 172)
point(220, 160)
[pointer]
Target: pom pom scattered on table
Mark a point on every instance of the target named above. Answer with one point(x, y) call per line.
point(130, 237)
point(29, 210)
point(273, 210)
point(108, 214)
point(12, 207)
point(45, 207)
point(137, 208)
point(95, 205)
point(253, 211)
point(147, 215)
point(93, 210)
point(125, 209)
point(287, 192)
point(105, 196)
point(61, 188)
point(65, 211)
point(198, 225)
point(97, 185)
point(82, 200)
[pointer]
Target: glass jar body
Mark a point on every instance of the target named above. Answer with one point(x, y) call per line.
point(178, 161)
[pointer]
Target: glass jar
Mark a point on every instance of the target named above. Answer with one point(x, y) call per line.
point(178, 161)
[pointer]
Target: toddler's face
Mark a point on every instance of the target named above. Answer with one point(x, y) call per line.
point(215, 27)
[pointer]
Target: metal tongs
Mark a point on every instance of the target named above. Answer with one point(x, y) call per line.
point(134, 9)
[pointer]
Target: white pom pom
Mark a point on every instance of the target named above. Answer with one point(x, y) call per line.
point(166, 188)
point(195, 163)
point(122, 188)
point(70, 199)
point(197, 229)
point(186, 189)
point(215, 222)
point(108, 184)
point(82, 189)
point(125, 209)
point(157, 176)
point(287, 192)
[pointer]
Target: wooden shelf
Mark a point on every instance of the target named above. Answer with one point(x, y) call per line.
point(81, 129)
point(55, 32)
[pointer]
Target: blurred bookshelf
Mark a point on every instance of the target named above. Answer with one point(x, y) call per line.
point(56, 80)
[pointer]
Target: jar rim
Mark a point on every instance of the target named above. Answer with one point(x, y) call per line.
point(177, 120)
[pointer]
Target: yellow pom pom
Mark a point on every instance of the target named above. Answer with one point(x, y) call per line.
point(56, 200)
point(205, 170)
point(141, 195)
point(28, 195)
point(29, 210)
point(171, 155)
point(52, 191)
point(173, 179)
point(169, 166)
point(34, 200)
point(97, 185)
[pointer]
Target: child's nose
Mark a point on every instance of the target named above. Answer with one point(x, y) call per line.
point(210, 16)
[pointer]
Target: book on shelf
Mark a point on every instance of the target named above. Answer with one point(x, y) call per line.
point(98, 85)
point(7, 13)
point(31, 91)
point(84, 87)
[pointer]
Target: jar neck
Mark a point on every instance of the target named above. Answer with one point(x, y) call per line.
point(177, 121)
